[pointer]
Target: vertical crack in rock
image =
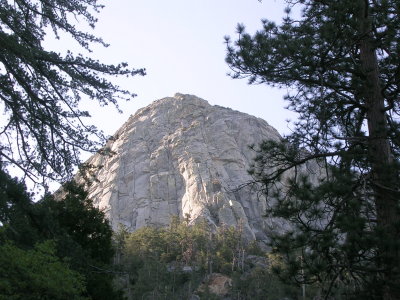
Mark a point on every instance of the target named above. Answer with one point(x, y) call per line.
point(182, 156)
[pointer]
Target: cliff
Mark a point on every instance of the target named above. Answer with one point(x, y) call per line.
point(182, 156)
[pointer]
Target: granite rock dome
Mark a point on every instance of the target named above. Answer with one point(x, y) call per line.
point(181, 156)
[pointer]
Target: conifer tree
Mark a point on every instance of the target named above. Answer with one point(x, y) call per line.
point(340, 61)
point(70, 230)
point(40, 90)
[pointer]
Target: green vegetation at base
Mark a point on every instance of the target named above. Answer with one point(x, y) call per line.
point(65, 249)
point(37, 273)
point(53, 249)
point(179, 261)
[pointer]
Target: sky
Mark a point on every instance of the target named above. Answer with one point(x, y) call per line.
point(181, 45)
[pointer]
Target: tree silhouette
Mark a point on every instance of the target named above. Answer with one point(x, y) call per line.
point(340, 62)
point(40, 90)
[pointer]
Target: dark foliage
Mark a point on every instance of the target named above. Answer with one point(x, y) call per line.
point(79, 234)
point(40, 90)
point(37, 274)
point(83, 235)
point(341, 64)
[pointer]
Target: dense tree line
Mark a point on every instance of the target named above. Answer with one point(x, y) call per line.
point(53, 249)
point(176, 262)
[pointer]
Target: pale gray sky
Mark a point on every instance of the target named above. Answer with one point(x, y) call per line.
point(181, 44)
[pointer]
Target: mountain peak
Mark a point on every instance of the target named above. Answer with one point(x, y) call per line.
point(181, 156)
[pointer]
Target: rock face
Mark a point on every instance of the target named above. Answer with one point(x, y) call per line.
point(217, 284)
point(182, 156)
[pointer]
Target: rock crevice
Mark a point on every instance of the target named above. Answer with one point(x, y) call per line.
point(182, 156)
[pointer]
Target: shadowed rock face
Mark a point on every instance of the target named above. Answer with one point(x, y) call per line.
point(182, 156)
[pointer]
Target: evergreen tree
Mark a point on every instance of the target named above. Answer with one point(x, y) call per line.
point(70, 230)
point(16, 212)
point(340, 61)
point(84, 237)
point(37, 274)
point(40, 90)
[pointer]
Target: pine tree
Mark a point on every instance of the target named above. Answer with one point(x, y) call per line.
point(37, 274)
point(40, 90)
point(70, 229)
point(340, 61)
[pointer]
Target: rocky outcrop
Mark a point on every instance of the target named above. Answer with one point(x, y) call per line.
point(182, 156)
point(217, 284)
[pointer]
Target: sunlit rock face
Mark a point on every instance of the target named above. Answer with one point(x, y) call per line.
point(181, 156)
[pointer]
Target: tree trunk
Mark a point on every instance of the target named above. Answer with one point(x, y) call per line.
point(383, 171)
